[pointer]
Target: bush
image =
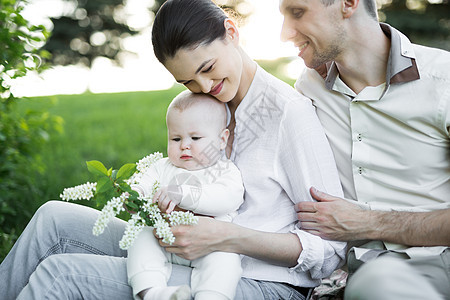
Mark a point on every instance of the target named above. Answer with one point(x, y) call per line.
point(22, 133)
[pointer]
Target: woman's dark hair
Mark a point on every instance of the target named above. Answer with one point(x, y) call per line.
point(186, 24)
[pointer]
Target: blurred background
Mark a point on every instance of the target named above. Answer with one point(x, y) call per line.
point(79, 82)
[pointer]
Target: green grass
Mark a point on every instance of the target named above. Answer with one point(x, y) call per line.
point(113, 128)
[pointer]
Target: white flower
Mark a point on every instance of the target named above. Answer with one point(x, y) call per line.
point(83, 191)
point(134, 227)
point(144, 164)
point(163, 231)
point(182, 218)
point(112, 208)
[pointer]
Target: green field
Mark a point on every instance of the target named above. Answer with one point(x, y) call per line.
point(113, 128)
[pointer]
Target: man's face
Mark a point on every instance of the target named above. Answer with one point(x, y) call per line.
point(315, 29)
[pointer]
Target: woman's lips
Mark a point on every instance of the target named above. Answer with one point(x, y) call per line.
point(216, 90)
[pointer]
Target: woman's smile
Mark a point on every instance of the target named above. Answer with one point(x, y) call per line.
point(217, 89)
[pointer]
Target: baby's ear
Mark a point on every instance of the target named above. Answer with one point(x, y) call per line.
point(224, 135)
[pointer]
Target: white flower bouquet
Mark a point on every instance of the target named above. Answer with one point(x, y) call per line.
point(113, 191)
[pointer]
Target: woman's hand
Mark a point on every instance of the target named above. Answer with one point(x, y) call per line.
point(209, 235)
point(194, 241)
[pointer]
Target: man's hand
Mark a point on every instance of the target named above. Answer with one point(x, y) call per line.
point(333, 218)
point(338, 219)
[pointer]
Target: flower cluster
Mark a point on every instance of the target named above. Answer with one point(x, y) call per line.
point(143, 165)
point(143, 212)
point(112, 208)
point(80, 192)
point(182, 218)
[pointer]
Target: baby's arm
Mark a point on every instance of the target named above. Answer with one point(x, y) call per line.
point(223, 195)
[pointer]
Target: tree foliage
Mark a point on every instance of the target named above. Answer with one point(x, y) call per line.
point(96, 28)
point(21, 133)
point(424, 22)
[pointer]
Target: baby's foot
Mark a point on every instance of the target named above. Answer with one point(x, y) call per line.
point(182, 292)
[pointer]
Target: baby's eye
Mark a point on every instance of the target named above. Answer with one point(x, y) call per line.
point(176, 139)
point(196, 138)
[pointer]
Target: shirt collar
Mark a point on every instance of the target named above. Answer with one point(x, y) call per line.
point(401, 66)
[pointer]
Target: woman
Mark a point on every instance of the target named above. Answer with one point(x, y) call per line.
point(277, 143)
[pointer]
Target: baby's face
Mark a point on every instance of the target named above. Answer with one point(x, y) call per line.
point(195, 140)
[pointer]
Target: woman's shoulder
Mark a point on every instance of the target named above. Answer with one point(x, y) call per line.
point(281, 91)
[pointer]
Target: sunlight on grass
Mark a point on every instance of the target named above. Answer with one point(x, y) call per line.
point(113, 128)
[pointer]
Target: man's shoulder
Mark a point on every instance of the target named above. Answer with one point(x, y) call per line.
point(432, 62)
point(311, 80)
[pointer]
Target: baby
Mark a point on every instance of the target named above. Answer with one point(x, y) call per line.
point(196, 176)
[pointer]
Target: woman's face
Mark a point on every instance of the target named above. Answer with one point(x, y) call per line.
point(214, 69)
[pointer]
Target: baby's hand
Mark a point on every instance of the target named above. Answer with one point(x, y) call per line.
point(168, 198)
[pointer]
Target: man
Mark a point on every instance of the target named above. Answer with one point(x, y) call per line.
point(385, 106)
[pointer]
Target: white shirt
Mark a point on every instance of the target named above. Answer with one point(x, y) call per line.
point(215, 191)
point(391, 142)
point(281, 150)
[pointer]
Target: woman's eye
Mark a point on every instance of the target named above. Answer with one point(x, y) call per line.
point(208, 69)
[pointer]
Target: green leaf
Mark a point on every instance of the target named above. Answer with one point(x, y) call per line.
point(125, 187)
point(126, 171)
point(96, 168)
point(132, 205)
point(104, 184)
point(110, 171)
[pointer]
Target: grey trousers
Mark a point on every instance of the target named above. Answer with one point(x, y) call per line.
point(57, 257)
point(396, 276)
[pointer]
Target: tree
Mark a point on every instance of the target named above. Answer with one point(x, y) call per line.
point(21, 133)
point(425, 22)
point(97, 28)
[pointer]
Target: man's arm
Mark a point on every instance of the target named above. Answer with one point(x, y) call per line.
point(210, 235)
point(337, 219)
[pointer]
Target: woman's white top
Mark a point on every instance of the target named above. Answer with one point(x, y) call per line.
point(281, 150)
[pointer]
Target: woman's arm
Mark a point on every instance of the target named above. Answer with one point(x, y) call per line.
point(335, 218)
point(210, 235)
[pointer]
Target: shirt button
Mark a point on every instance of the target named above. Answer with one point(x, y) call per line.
point(360, 170)
point(359, 137)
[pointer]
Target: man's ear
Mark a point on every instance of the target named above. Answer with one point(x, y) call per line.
point(224, 135)
point(231, 31)
point(349, 7)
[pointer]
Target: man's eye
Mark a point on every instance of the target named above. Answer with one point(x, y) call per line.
point(297, 12)
point(196, 138)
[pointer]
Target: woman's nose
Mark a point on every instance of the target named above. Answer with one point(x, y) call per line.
point(205, 85)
